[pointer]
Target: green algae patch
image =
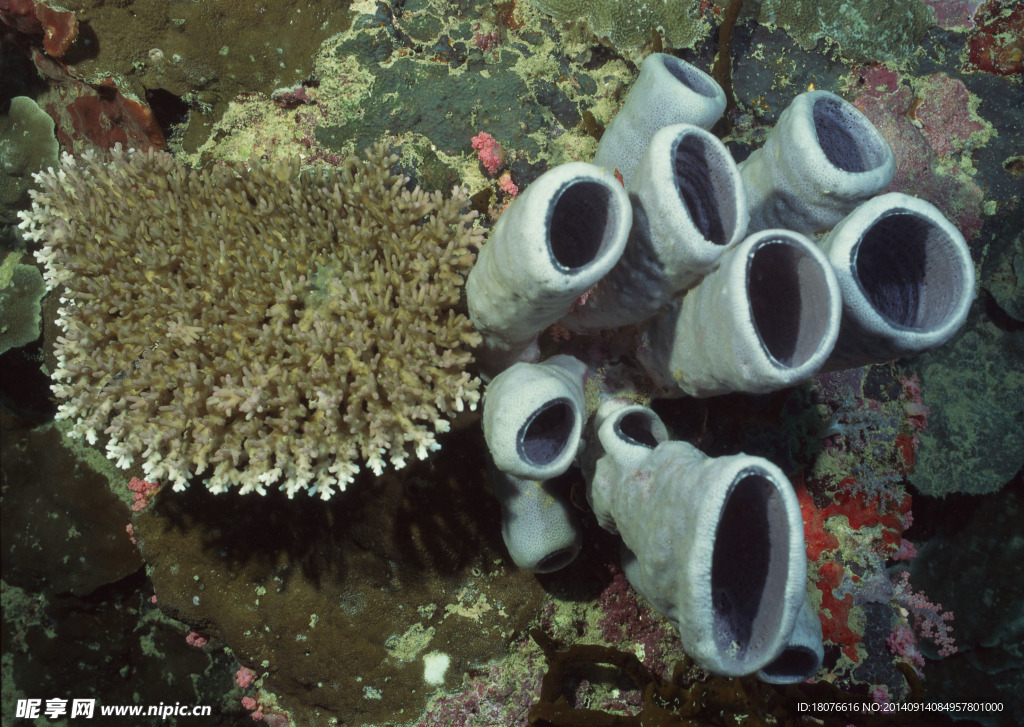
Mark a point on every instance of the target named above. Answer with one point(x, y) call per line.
point(971, 446)
point(447, 107)
point(21, 290)
point(629, 24)
point(866, 30)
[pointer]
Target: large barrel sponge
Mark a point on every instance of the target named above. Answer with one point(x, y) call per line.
point(254, 324)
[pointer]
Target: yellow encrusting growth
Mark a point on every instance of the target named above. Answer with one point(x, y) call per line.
point(254, 324)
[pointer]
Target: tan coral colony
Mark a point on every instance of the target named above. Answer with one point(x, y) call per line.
point(254, 324)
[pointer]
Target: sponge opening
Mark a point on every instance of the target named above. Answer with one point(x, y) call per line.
point(789, 302)
point(906, 267)
point(847, 138)
point(581, 223)
point(749, 569)
point(546, 434)
point(705, 189)
point(690, 77)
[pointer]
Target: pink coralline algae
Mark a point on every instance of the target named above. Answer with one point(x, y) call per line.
point(954, 13)
point(937, 96)
point(498, 694)
point(489, 151)
point(996, 45)
point(502, 693)
point(196, 639)
point(507, 186)
point(903, 643)
point(296, 95)
point(933, 127)
point(262, 711)
point(486, 41)
point(913, 403)
point(928, 619)
point(245, 677)
point(59, 27)
point(628, 622)
point(921, 619)
point(143, 493)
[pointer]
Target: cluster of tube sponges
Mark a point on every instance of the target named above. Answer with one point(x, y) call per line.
point(255, 325)
point(697, 276)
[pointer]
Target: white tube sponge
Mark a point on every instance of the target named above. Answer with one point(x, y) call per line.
point(822, 159)
point(538, 523)
point(533, 417)
point(765, 319)
point(689, 207)
point(552, 244)
point(627, 434)
point(667, 91)
point(803, 654)
point(906, 278)
point(717, 546)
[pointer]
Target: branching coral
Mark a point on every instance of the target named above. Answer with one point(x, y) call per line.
point(255, 323)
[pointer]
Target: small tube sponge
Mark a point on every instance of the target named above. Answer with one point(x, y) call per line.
point(627, 434)
point(538, 523)
point(688, 209)
point(533, 417)
point(533, 421)
point(668, 91)
point(822, 159)
point(552, 244)
point(906, 278)
point(766, 318)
